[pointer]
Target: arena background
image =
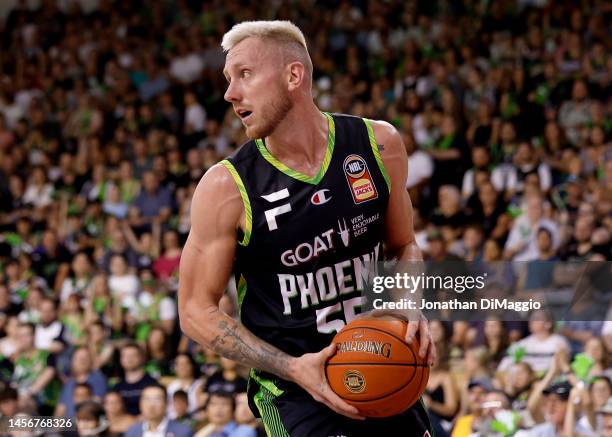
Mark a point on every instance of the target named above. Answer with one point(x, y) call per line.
point(111, 111)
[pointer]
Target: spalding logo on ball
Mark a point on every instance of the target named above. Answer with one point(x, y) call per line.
point(375, 370)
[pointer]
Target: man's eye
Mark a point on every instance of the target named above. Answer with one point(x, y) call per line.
point(245, 73)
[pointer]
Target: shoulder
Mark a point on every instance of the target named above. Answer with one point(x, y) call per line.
point(134, 430)
point(384, 131)
point(179, 429)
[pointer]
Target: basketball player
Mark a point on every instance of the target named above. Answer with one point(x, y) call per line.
point(298, 213)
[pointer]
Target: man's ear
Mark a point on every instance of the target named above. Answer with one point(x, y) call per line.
point(295, 75)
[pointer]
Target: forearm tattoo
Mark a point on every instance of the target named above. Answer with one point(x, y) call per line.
point(240, 345)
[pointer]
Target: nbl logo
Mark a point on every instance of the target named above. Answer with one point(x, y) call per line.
point(359, 179)
point(354, 166)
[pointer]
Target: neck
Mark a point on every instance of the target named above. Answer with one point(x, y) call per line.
point(134, 375)
point(154, 423)
point(302, 133)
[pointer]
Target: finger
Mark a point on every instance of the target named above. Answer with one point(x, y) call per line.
point(339, 405)
point(424, 338)
point(329, 351)
point(413, 327)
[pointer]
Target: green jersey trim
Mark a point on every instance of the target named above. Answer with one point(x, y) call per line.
point(314, 180)
point(270, 416)
point(268, 384)
point(376, 152)
point(245, 200)
point(241, 289)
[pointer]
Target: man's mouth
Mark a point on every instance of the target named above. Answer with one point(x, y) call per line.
point(244, 114)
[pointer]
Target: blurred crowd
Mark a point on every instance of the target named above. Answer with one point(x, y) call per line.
point(110, 116)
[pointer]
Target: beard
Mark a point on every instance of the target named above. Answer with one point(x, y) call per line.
point(274, 113)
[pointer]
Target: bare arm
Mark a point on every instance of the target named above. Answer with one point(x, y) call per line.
point(205, 268)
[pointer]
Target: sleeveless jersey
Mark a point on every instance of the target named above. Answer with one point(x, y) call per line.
point(309, 242)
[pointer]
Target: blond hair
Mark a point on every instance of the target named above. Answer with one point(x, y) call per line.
point(284, 33)
point(281, 31)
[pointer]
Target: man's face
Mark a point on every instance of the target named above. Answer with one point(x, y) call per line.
point(255, 75)
point(9, 407)
point(25, 338)
point(81, 362)
point(130, 359)
point(81, 394)
point(554, 409)
point(153, 403)
point(219, 410)
point(475, 396)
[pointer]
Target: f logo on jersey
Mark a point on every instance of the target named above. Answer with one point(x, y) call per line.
point(320, 197)
point(359, 179)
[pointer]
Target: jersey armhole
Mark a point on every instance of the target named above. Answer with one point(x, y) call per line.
point(376, 153)
point(245, 201)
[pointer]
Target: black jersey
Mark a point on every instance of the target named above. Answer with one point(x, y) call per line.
point(309, 242)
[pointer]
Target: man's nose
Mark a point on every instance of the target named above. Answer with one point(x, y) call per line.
point(231, 94)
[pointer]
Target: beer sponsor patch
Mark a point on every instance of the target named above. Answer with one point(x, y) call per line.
point(359, 179)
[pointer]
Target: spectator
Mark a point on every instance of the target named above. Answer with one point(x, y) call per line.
point(226, 379)
point(187, 379)
point(153, 406)
point(555, 405)
point(153, 202)
point(152, 308)
point(522, 241)
point(166, 266)
point(122, 283)
point(471, 414)
point(90, 420)
point(34, 371)
point(606, 415)
point(220, 412)
point(440, 397)
point(135, 379)
point(9, 402)
point(114, 409)
point(540, 346)
point(82, 372)
point(101, 349)
point(243, 414)
point(50, 333)
point(79, 277)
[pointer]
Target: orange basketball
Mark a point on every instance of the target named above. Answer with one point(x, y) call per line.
point(375, 370)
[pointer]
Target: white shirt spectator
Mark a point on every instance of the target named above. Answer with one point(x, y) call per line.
point(525, 233)
point(186, 69)
point(192, 395)
point(38, 196)
point(44, 336)
point(544, 174)
point(538, 352)
point(124, 288)
point(195, 117)
point(167, 308)
point(420, 167)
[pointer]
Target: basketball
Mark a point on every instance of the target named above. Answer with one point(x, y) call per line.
point(375, 370)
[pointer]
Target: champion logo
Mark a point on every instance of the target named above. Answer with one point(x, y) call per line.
point(320, 197)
